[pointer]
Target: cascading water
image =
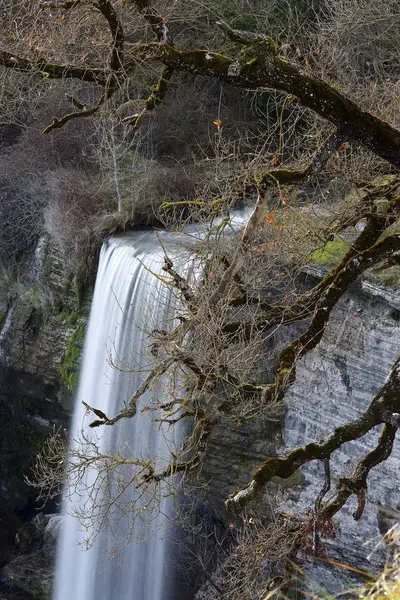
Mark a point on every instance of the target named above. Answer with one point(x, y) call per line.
point(129, 301)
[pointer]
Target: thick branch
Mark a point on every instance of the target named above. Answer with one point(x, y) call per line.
point(262, 68)
point(118, 39)
point(157, 96)
point(54, 71)
point(357, 483)
point(387, 400)
point(340, 276)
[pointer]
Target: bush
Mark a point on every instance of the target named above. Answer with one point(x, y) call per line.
point(21, 208)
point(73, 199)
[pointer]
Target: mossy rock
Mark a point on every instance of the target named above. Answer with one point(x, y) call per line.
point(332, 253)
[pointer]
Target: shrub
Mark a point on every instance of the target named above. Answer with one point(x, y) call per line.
point(73, 199)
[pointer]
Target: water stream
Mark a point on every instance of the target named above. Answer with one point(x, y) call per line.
point(129, 301)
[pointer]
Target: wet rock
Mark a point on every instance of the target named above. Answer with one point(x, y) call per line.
point(32, 570)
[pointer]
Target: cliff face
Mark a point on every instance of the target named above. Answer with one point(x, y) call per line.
point(38, 319)
point(335, 383)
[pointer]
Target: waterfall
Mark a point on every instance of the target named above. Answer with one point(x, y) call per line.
point(128, 302)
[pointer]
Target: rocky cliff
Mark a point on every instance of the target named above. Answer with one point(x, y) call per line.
point(334, 384)
point(41, 334)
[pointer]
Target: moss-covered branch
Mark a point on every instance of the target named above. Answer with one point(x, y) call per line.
point(98, 75)
point(386, 401)
point(284, 467)
point(156, 97)
point(117, 33)
point(258, 66)
point(340, 276)
point(357, 483)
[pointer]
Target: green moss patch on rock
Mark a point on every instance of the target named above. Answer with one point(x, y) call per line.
point(69, 370)
point(332, 253)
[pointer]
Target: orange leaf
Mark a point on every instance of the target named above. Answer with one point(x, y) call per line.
point(218, 123)
point(274, 160)
point(271, 218)
point(62, 17)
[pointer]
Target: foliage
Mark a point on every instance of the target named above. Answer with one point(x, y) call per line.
point(388, 583)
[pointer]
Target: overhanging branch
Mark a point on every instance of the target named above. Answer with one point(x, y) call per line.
point(386, 400)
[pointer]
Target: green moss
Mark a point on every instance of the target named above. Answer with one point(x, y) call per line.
point(2, 316)
point(73, 318)
point(69, 370)
point(386, 277)
point(332, 253)
point(296, 480)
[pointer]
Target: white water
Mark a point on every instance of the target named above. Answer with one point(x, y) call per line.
point(128, 303)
